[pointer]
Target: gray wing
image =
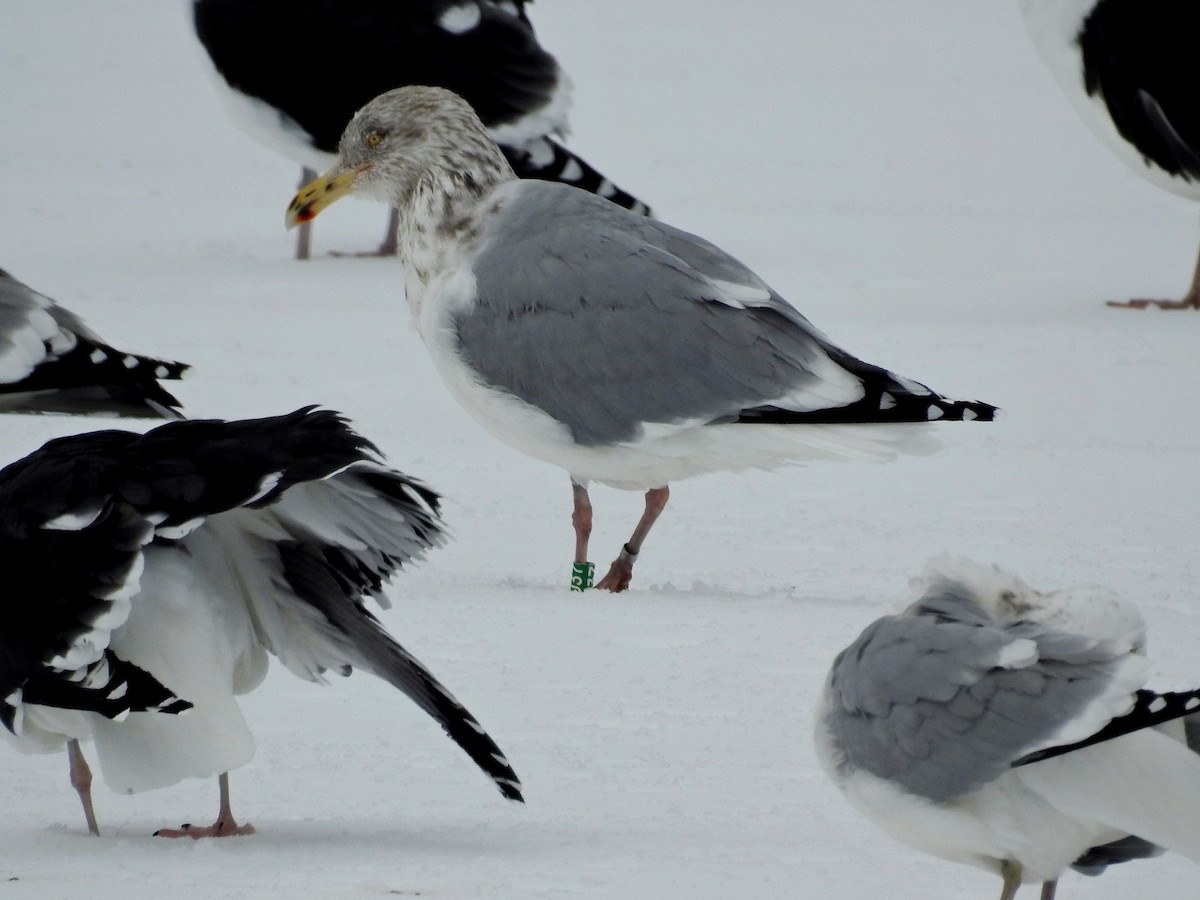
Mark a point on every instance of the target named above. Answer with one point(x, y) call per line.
point(32, 328)
point(608, 321)
point(943, 699)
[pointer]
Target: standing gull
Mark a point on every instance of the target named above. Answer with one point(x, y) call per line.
point(295, 71)
point(1008, 729)
point(150, 575)
point(51, 362)
point(1128, 67)
point(622, 349)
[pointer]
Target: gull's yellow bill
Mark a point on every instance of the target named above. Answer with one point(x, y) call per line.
point(320, 193)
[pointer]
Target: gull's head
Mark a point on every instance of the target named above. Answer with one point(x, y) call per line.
point(400, 140)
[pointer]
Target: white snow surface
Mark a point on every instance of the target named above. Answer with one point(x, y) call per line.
point(908, 174)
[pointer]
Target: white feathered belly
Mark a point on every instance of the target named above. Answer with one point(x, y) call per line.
point(191, 633)
point(664, 452)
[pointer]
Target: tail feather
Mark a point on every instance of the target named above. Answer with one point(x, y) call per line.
point(1145, 783)
point(372, 649)
point(547, 160)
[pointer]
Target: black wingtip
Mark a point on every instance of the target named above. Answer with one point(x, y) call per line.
point(1150, 709)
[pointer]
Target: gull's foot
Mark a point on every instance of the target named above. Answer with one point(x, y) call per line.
point(620, 573)
point(220, 828)
point(1185, 303)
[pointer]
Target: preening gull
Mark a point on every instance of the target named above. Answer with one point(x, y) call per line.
point(1128, 67)
point(51, 362)
point(1009, 729)
point(293, 72)
point(621, 349)
point(150, 575)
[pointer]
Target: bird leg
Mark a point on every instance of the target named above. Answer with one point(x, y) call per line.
point(391, 240)
point(225, 826)
point(1011, 872)
point(620, 573)
point(581, 520)
point(81, 780)
point(1190, 300)
point(1048, 889)
point(304, 234)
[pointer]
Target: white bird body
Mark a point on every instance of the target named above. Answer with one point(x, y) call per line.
point(929, 719)
point(621, 349)
point(160, 570)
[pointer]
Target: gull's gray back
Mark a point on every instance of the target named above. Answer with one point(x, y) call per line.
point(942, 699)
point(606, 320)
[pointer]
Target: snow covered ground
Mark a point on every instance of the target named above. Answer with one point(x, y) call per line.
point(907, 173)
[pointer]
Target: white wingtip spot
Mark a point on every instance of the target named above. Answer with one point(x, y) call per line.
point(265, 486)
point(98, 356)
point(130, 362)
point(1192, 704)
point(1158, 704)
point(969, 415)
point(161, 372)
point(77, 520)
point(886, 401)
point(119, 691)
point(460, 19)
point(607, 189)
point(180, 531)
point(571, 171)
point(934, 412)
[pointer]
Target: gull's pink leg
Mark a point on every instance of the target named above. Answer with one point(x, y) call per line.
point(391, 240)
point(581, 519)
point(304, 232)
point(620, 573)
point(1191, 300)
point(225, 826)
point(81, 780)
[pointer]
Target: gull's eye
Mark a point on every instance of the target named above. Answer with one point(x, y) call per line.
point(374, 139)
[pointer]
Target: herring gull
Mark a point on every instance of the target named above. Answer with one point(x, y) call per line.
point(51, 362)
point(624, 350)
point(1128, 67)
point(352, 50)
point(151, 574)
point(1009, 729)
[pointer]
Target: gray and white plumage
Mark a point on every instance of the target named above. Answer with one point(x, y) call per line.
point(944, 725)
point(154, 574)
point(50, 361)
point(622, 349)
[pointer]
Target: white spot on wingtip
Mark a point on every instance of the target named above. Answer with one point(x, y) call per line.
point(98, 356)
point(1192, 703)
point(265, 486)
point(571, 171)
point(460, 19)
point(1158, 704)
point(119, 691)
point(161, 372)
point(76, 520)
point(130, 362)
point(886, 401)
point(934, 412)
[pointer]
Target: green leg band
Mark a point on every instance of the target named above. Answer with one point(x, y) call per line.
point(582, 575)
